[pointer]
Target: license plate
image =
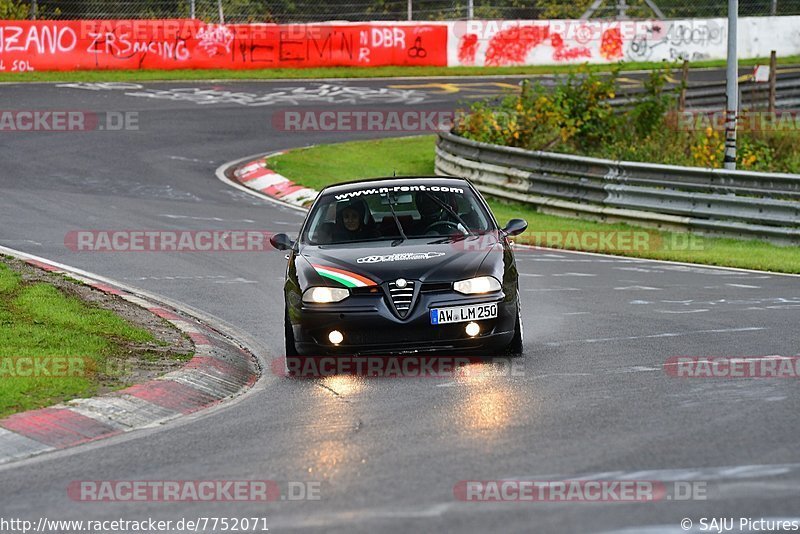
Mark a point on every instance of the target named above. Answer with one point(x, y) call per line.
point(460, 314)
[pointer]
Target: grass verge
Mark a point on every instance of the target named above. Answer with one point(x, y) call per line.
point(55, 346)
point(326, 164)
point(338, 72)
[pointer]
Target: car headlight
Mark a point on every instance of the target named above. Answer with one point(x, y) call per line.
point(481, 284)
point(322, 295)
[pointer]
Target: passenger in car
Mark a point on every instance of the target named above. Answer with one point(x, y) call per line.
point(353, 222)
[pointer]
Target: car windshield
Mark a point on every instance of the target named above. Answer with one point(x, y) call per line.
point(396, 212)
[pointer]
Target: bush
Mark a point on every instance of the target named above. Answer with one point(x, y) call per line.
point(13, 10)
point(576, 116)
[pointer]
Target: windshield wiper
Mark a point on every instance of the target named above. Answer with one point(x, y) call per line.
point(451, 211)
point(397, 222)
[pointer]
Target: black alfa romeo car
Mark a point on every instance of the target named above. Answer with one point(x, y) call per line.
point(400, 266)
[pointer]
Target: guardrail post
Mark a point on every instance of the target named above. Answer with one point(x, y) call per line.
point(684, 84)
point(732, 105)
point(773, 78)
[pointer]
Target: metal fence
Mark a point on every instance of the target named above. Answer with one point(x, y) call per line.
point(712, 201)
point(287, 11)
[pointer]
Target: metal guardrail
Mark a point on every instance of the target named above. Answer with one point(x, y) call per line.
point(711, 95)
point(740, 204)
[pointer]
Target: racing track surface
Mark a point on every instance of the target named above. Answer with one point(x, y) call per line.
point(594, 400)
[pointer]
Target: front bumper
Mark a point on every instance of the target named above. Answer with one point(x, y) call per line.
point(370, 326)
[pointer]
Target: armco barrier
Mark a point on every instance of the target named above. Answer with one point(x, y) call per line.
point(712, 96)
point(192, 44)
point(712, 201)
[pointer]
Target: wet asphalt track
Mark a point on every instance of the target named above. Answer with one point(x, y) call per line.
point(594, 400)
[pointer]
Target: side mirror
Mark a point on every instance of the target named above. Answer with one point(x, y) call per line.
point(281, 242)
point(515, 227)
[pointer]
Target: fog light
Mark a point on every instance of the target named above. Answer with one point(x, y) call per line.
point(473, 329)
point(336, 337)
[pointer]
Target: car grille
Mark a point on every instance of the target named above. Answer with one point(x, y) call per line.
point(402, 298)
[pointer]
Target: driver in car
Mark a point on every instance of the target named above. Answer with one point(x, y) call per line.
point(430, 212)
point(435, 218)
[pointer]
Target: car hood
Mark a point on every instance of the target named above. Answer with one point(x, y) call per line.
point(415, 259)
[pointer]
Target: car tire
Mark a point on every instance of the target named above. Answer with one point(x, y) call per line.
point(288, 336)
point(514, 347)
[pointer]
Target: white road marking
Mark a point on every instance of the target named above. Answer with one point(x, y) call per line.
point(521, 256)
point(695, 267)
point(198, 277)
point(637, 269)
point(701, 310)
point(193, 160)
point(548, 289)
point(652, 336)
point(745, 286)
point(637, 288)
point(732, 472)
point(214, 219)
point(531, 275)
point(24, 241)
point(574, 274)
point(575, 313)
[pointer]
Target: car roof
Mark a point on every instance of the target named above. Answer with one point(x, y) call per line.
point(393, 181)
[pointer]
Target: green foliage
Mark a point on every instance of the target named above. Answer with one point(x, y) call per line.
point(576, 112)
point(652, 105)
point(13, 10)
point(575, 116)
point(558, 9)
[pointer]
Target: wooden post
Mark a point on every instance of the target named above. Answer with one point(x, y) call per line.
point(684, 83)
point(773, 76)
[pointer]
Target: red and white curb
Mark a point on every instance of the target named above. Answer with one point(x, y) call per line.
point(255, 175)
point(218, 370)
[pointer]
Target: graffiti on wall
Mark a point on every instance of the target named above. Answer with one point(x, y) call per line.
point(171, 44)
point(191, 44)
point(501, 43)
point(677, 40)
